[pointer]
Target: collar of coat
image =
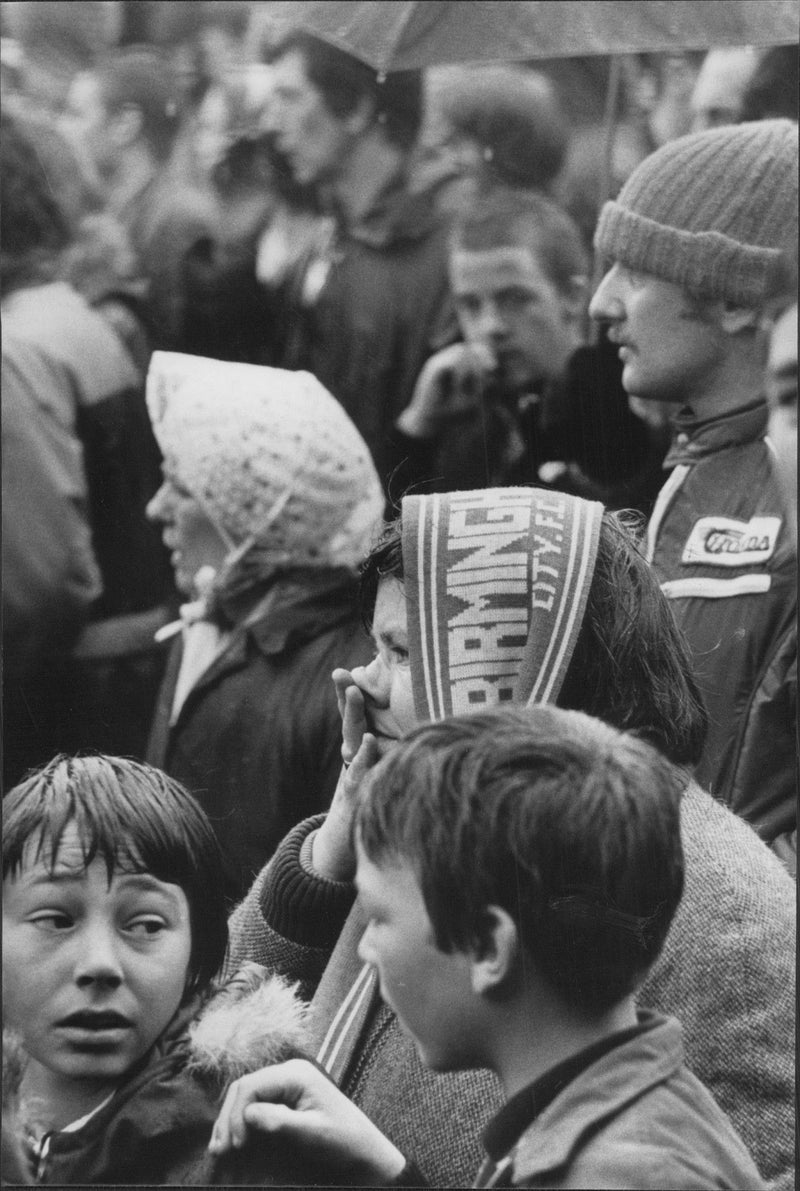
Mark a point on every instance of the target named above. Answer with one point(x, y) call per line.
point(252, 1020)
point(693, 439)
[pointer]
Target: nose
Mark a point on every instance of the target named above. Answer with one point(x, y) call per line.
point(373, 680)
point(489, 323)
point(157, 507)
point(98, 962)
point(607, 304)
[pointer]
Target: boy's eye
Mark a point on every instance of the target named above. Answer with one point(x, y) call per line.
point(145, 927)
point(52, 920)
point(399, 653)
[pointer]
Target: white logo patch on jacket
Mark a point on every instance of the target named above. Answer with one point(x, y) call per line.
point(722, 542)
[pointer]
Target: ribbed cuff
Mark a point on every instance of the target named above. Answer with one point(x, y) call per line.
point(299, 905)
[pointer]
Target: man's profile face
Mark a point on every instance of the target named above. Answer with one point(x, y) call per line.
point(506, 302)
point(310, 137)
point(669, 352)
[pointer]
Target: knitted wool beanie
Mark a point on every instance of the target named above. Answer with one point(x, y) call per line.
point(271, 457)
point(714, 212)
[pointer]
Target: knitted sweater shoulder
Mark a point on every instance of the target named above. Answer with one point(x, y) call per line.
point(727, 972)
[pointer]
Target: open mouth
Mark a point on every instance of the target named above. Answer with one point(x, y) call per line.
point(95, 1022)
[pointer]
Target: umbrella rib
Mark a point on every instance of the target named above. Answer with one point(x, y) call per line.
point(402, 24)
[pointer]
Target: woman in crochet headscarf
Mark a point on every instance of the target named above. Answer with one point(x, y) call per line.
point(269, 501)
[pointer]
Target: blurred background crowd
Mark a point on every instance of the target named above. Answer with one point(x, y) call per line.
point(173, 180)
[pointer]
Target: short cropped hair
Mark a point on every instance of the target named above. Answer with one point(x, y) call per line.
point(631, 665)
point(569, 826)
point(513, 218)
point(135, 818)
point(344, 81)
point(140, 77)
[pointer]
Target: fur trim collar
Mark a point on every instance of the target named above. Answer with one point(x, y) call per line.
point(254, 1020)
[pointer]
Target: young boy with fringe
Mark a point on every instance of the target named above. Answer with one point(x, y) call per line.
point(119, 1042)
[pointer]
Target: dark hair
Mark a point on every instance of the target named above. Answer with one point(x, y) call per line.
point(570, 826)
point(35, 228)
point(134, 817)
point(631, 665)
point(527, 220)
point(344, 81)
point(773, 86)
point(140, 77)
point(513, 115)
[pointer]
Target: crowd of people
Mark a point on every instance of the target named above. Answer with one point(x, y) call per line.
point(399, 613)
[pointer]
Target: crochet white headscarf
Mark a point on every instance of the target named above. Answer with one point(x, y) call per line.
point(270, 455)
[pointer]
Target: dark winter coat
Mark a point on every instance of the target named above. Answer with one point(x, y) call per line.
point(258, 739)
point(383, 308)
point(157, 1126)
point(719, 542)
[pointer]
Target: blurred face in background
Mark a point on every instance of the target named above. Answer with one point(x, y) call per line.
point(310, 137)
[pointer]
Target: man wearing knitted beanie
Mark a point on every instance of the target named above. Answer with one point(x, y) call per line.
point(699, 239)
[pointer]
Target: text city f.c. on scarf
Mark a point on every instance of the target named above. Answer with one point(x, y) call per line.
point(496, 583)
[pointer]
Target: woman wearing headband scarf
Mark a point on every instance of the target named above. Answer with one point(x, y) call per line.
point(269, 501)
point(520, 595)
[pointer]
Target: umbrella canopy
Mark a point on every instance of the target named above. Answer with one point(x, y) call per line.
point(408, 34)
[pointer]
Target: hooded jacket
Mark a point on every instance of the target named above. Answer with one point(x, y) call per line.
point(365, 315)
point(495, 598)
point(156, 1127)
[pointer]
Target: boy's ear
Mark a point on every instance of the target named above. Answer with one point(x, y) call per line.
point(495, 957)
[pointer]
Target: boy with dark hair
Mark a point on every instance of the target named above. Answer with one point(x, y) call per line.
point(518, 871)
point(115, 1052)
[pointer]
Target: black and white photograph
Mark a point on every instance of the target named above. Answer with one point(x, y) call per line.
point(399, 593)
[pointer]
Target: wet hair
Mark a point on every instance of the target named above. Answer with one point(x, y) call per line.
point(631, 665)
point(137, 819)
point(35, 227)
point(570, 826)
point(140, 77)
point(512, 218)
point(344, 81)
